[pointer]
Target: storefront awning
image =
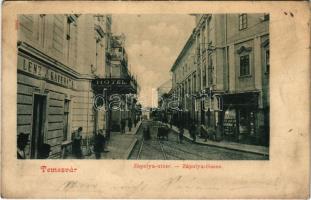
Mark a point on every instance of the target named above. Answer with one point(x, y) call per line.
point(247, 99)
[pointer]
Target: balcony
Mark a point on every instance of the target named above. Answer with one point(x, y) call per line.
point(117, 41)
point(117, 54)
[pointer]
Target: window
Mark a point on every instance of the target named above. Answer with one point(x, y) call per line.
point(267, 59)
point(210, 70)
point(244, 65)
point(242, 21)
point(68, 37)
point(204, 75)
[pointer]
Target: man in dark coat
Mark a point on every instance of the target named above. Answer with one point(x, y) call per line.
point(181, 134)
point(193, 132)
point(130, 124)
point(22, 140)
point(99, 144)
point(146, 132)
point(44, 151)
point(76, 143)
point(122, 125)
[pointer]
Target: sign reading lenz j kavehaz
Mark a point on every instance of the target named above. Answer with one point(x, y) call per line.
point(38, 70)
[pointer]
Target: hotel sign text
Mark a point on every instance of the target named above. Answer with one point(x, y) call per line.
point(111, 82)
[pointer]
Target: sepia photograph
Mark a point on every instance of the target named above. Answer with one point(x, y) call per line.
point(155, 99)
point(143, 86)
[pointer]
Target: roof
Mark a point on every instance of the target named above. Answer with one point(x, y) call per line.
point(183, 51)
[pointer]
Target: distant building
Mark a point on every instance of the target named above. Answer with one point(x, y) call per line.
point(221, 76)
point(163, 89)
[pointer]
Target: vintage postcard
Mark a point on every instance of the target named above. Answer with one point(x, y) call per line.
point(155, 99)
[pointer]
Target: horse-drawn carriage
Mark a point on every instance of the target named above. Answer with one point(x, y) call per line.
point(163, 131)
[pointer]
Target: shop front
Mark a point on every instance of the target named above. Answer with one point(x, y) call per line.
point(118, 105)
point(44, 101)
point(241, 113)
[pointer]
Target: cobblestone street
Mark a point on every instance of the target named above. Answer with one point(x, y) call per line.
point(171, 149)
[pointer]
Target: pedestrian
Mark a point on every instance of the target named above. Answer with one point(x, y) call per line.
point(107, 134)
point(235, 132)
point(122, 125)
point(135, 122)
point(76, 144)
point(193, 132)
point(146, 132)
point(130, 124)
point(22, 141)
point(181, 134)
point(218, 132)
point(99, 144)
point(44, 151)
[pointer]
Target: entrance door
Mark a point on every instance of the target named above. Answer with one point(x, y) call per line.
point(66, 120)
point(38, 121)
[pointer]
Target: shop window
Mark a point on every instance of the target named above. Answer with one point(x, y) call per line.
point(244, 65)
point(219, 103)
point(242, 21)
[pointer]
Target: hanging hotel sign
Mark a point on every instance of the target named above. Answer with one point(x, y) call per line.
point(106, 82)
point(39, 71)
point(114, 85)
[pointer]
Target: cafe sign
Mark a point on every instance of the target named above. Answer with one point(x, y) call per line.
point(39, 71)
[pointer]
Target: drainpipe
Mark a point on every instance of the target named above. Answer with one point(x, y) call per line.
point(226, 54)
point(87, 118)
point(227, 68)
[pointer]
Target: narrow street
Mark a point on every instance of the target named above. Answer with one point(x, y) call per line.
point(171, 149)
point(76, 104)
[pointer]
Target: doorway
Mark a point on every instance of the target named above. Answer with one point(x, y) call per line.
point(38, 124)
point(66, 119)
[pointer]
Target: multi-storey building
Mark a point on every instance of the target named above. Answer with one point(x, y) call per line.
point(231, 66)
point(121, 85)
point(185, 83)
point(58, 56)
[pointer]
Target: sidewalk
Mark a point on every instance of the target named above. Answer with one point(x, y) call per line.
point(228, 145)
point(121, 145)
point(118, 147)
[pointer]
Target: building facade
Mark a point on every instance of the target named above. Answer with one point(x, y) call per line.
point(230, 75)
point(119, 86)
point(58, 56)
